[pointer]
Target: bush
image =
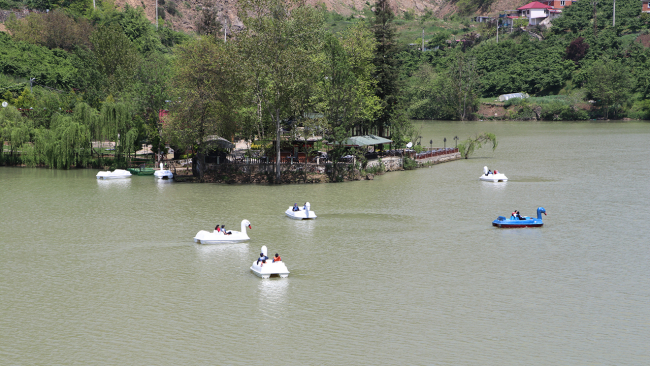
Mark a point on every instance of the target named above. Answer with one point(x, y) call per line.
point(337, 17)
point(409, 164)
point(171, 8)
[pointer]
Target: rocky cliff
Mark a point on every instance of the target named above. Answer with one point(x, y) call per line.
point(184, 15)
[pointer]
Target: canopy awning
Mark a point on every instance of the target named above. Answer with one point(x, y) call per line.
point(365, 140)
point(214, 140)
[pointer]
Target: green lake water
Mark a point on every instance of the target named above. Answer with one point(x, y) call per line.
point(402, 270)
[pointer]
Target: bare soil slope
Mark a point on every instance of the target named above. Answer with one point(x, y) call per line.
point(189, 11)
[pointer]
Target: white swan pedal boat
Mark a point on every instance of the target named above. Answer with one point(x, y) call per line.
point(215, 237)
point(163, 173)
point(303, 213)
point(488, 176)
point(115, 174)
point(270, 268)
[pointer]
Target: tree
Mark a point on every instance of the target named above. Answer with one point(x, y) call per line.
point(279, 43)
point(576, 50)
point(464, 85)
point(208, 22)
point(345, 92)
point(68, 141)
point(117, 123)
point(386, 72)
point(208, 82)
point(55, 29)
point(116, 57)
point(25, 100)
point(608, 83)
point(152, 90)
point(467, 147)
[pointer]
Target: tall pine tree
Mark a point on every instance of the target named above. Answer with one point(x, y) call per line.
point(386, 65)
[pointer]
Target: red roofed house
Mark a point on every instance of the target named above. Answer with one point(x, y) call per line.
point(558, 4)
point(645, 6)
point(536, 12)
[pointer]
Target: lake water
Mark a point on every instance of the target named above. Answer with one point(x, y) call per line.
point(405, 269)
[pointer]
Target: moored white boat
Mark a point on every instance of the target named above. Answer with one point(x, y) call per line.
point(270, 268)
point(303, 213)
point(214, 237)
point(163, 173)
point(495, 176)
point(115, 174)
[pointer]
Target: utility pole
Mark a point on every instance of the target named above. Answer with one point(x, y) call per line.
point(614, 15)
point(595, 20)
point(224, 34)
point(422, 39)
point(156, 14)
point(497, 30)
point(94, 7)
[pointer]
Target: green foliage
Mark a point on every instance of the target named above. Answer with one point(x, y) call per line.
point(467, 147)
point(207, 81)
point(409, 164)
point(53, 68)
point(345, 92)
point(55, 29)
point(25, 100)
point(530, 66)
point(279, 48)
point(428, 93)
point(208, 22)
point(386, 66)
point(338, 150)
point(116, 57)
point(608, 84)
point(579, 17)
point(10, 4)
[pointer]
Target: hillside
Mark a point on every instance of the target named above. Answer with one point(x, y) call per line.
point(188, 12)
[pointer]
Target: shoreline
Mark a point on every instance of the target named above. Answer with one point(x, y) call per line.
point(294, 173)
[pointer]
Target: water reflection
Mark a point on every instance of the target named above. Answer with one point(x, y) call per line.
point(304, 227)
point(493, 187)
point(120, 183)
point(210, 251)
point(161, 184)
point(535, 180)
point(272, 291)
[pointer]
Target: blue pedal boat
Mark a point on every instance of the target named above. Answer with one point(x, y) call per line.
point(526, 221)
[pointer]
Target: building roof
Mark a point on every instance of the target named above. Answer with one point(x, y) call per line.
point(535, 5)
point(214, 140)
point(365, 140)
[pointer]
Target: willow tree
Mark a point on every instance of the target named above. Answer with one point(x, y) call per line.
point(15, 129)
point(208, 81)
point(279, 42)
point(467, 147)
point(66, 144)
point(117, 123)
